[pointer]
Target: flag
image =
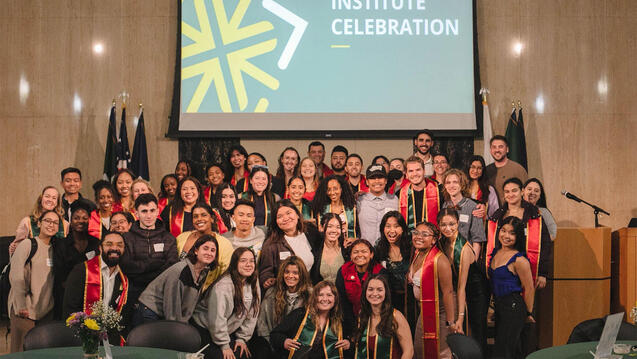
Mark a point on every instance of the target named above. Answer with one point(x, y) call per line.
point(487, 131)
point(139, 163)
point(123, 152)
point(110, 157)
point(517, 140)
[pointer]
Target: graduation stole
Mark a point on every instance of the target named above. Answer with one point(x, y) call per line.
point(350, 219)
point(305, 209)
point(307, 332)
point(430, 204)
point(93, 285)
point(533, 243)
point(221, 227)
point(34, 230)
point(477, 195)
point(162, 203)
point(176, 222)
point(383, 347)
point(95, 225)
point(429, 302)
point(393, 189)
point(207, 194)
point(246, 180)
point(246, 195)
point(457, 245)
point(362, 185)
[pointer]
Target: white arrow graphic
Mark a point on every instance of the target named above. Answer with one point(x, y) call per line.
point(299, 28)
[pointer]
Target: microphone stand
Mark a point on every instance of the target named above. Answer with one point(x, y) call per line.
point(596, 211)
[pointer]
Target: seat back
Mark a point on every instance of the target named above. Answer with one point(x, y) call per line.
point(165, 334)
point(591, 330)
point(50, 335)
point(463, 347)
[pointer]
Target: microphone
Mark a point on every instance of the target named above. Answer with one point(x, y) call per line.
point(571, 196)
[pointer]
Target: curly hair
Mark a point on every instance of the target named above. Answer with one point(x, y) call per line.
point(321, 199)
point(462, 179)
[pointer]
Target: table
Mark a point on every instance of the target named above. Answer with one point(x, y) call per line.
point(76, 352)
point(574, 351)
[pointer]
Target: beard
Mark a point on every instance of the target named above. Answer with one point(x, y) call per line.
point(111, 261)
point(339, 169)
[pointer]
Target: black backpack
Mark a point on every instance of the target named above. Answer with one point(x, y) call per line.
point(5, 284)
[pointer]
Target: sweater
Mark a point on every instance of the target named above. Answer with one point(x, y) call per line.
point(267, 320)
point(31, 284)
point(174, 294)
point(215, 312)
point(254, 240)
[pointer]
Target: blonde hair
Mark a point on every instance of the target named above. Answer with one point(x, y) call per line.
point(141, 180)
point(462, 178)
point(38, 210)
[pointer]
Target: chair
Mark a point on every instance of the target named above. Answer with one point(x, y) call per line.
point(591, 330)
point(165, 334)
point(50, 335)
point(463, 347)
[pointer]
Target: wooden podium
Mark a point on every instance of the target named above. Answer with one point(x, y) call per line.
point(579, 288)
point(624, 271)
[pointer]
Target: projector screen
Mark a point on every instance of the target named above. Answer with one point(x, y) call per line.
point(326, 66)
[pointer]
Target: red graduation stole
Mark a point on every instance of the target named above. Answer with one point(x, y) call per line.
point(429, 303)
point(246, 180)
point(533, 243)
point(95, 224)
point(430, 204)
point(221, 227)
point(176, 222)
point(207, 194)
point(354, 285)
point(161, 204)
point(93, 285)
point(393, 189)
point(362, 185)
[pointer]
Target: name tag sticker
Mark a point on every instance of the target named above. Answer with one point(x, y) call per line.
point(284, 255)
point(159, 247)
point(49, 262)
point(464, 218)
point(526, 231)
point(90, 255)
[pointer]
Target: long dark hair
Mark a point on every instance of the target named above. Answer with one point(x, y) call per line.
point(267, 193)
point(518, 229)
point(274, 232)
point(216, 203)
point(238, 282)
point(229, 168)
point(280, 171)
point(404, 242)
point(210, 211)
point(192, 257)
point(387, 326)
point(178, 204)
point(121, 171)
point(321, 199)
point(483, 182)
point(373, 260)
point(162, 190)
point(325, 219)
point(304, 287)
point(541, 202)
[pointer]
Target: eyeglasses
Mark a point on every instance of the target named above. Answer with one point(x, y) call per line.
point(50, 222)
point(419, 234)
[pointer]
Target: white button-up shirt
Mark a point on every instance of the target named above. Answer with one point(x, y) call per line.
point(108, 282)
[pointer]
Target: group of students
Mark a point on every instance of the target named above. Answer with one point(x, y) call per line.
point(313, 260)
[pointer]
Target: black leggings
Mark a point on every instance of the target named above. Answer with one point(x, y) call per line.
point(477, 307)
point(510, 315)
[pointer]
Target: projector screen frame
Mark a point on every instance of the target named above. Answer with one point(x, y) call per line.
point(174, 132)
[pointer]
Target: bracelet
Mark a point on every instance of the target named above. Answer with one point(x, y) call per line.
point(461, 314)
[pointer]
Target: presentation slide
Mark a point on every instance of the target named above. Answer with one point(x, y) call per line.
point(326, 65)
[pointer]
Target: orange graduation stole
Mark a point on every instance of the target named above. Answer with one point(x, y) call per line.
point(207, 194)
point(430, 204)
point(93, 285)
point(176, 222)
point(221, 227)
point(533, 243)
point(429, 303)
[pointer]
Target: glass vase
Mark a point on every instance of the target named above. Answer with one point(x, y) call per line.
point(90, 347)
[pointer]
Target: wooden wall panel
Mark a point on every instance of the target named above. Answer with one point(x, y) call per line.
point(577, 57)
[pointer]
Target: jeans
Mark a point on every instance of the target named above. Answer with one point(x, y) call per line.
point(143, 315)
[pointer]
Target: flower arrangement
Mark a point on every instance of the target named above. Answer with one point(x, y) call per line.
point(633, 313)
point(94, 327)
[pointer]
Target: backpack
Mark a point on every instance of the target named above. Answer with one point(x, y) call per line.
point(5, 284)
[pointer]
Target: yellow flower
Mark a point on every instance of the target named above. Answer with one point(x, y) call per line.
point(91, 324)
point(71, 317)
